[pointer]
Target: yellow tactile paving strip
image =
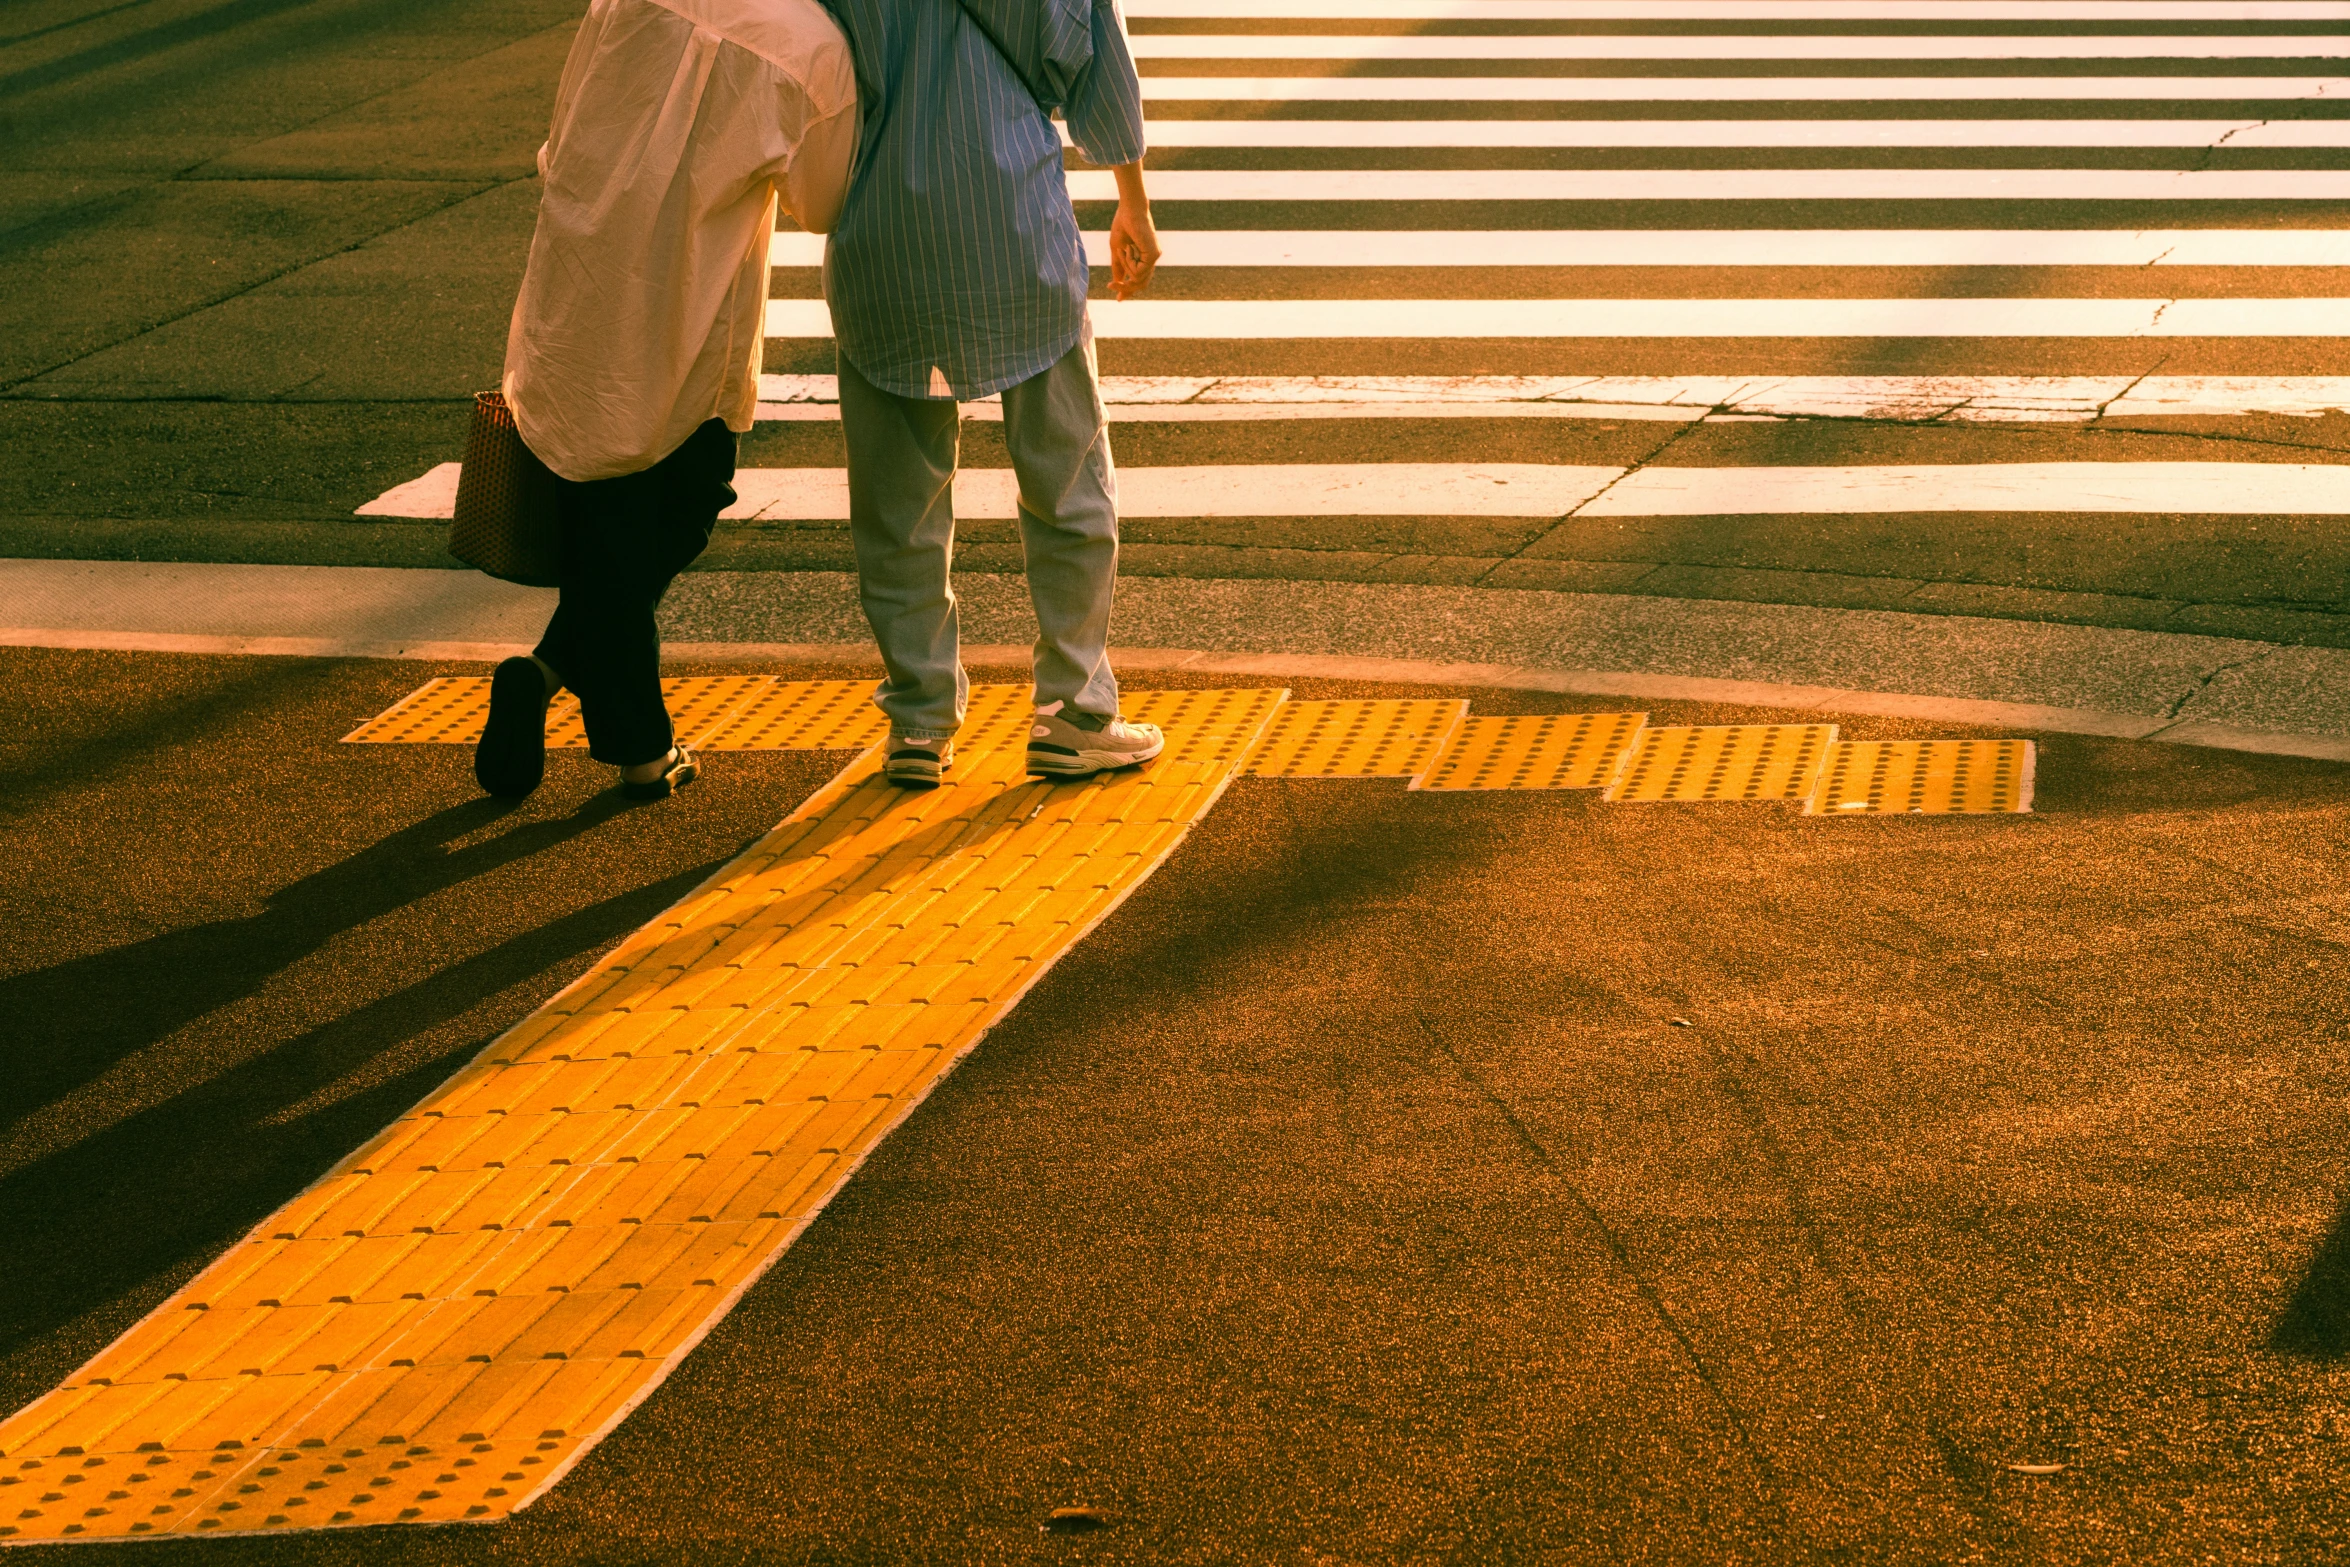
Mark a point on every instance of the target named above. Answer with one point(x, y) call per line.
point(445, 1322)
point(1534, 751)
point(451, 711)
point(1924, 778)
point(1355, 739)
point(1733, 762)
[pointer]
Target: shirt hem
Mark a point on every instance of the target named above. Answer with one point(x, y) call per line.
point(921, 392)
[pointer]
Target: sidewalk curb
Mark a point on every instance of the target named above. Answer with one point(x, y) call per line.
point(1396, 671)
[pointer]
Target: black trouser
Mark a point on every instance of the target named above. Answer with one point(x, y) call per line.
point(624, 541)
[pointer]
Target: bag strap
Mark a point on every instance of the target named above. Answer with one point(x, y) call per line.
point(972, 13)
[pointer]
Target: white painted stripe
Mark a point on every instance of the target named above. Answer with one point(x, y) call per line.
point(1538, 490)
point(1730, 89)
point(1904, 396)
point(434, 494)
point(2229, 489)
point(1962, 399)
point(1746, 133)
point(1747, 10)
point(1233, 490)
point(1710, 247)
point(1232, 319)
point(1725, 185)
point(1602, 46)
point(991, 412)
point(2298, 396)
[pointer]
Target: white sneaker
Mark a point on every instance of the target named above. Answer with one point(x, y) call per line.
point(1069, 750)
point(917, 764)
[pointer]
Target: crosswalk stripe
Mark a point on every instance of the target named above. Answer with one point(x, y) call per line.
point(1235, 319)
point(1956, 399)
point(1733, 89)
point(1421, 185)
point(1228, 490)
point(1544, 490)
point(1748, 133)
point(1329, 248)
point(1530, 490)
point(2223, 489)
point(1744, 46)
point(2306, 11)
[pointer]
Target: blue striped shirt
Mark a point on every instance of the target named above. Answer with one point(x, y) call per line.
point(956, 269)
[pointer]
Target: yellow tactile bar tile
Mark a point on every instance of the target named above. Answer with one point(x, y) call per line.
point(449, 1318)
point(1727, 762)
point(1355, 739)
point(452, 709)
point(1534, 751)
point(1924, 778)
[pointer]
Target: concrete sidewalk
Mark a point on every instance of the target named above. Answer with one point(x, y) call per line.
point(2018, 674)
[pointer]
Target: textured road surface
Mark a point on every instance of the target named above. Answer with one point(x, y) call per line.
point(1352, 1195)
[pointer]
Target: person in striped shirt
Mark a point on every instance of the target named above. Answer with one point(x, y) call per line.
point(956, 271)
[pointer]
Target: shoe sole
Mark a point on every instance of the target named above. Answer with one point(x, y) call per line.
point(1084, 764)
point(511, 757)
point(918, 771)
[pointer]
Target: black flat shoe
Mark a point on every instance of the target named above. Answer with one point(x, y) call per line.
point(511, 756)
point(683, 769)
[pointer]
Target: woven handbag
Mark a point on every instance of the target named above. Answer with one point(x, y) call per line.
point(504, 522)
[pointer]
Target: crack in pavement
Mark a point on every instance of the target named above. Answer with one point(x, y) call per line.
point(1766, 1472)
point(2134, 385)
point(2174, 710)
point(1680, 434)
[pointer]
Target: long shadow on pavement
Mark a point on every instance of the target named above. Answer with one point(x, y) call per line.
point(73, 1021)
point(178, 1180)
point(2315, 1323)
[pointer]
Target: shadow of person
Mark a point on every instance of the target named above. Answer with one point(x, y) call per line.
point(117, 1215)
point(2315, 1323)
point(70, 1022)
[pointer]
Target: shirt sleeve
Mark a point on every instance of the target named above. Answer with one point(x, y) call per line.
point(1104, 103)
point(1073, 54)
point(816, 181)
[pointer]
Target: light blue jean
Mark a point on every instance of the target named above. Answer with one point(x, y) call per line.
point(902, 457)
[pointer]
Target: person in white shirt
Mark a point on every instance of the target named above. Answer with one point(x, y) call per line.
point(633, 360)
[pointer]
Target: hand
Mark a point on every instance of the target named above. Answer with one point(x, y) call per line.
point(1134, 239)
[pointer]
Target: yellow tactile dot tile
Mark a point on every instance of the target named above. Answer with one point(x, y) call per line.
point(452, 710)
point(447, 710)
point(1730, 762)
point(1924, 777)
point(435, 1330)
point(1355, 739)
point(698, 704)
point(1533, 751)
point(803, 715)
point(1203, 726)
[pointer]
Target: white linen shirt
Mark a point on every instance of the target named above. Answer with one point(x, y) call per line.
point(643, 307)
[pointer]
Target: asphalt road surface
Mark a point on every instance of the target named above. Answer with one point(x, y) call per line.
point(1397, 1176)
point(254, 255)
point(1351, 1195)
